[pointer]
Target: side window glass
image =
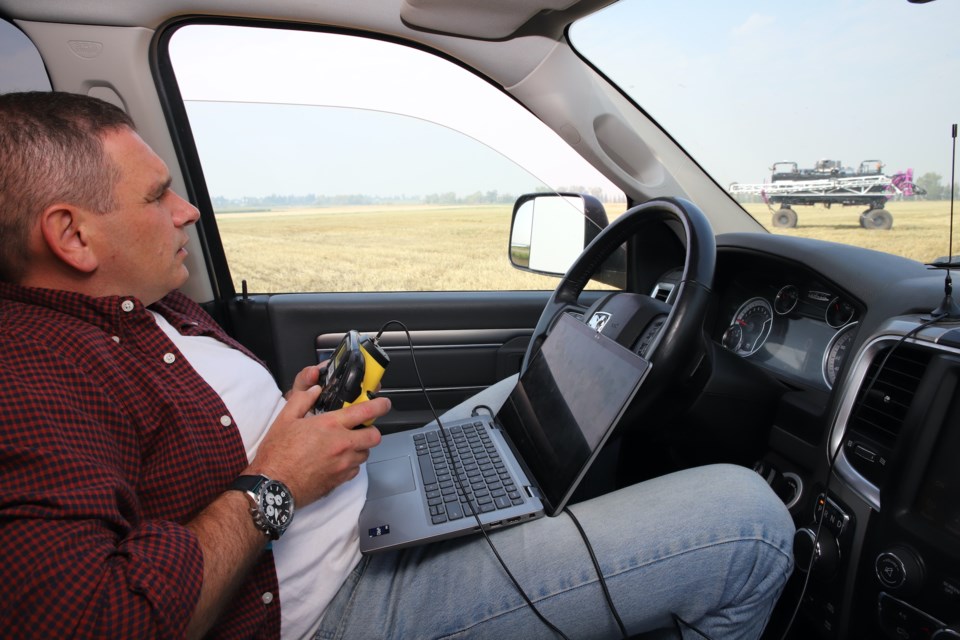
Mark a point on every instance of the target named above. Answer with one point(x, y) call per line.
point(21, 68)
point(342, 163)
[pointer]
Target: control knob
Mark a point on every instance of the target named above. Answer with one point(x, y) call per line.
point(899, 569)
point(821, 555)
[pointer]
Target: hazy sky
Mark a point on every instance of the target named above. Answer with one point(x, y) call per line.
point(21, 68)
point(300, 133)
point(336, 151)
point(849, 80)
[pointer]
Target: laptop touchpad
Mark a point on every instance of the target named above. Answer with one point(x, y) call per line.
point(390, 477)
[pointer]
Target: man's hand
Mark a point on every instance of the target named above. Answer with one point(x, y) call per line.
point(308, 377)
point(311, 453)
point(314, 454)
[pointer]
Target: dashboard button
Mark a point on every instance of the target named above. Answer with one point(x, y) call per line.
point(901, 620)
point(899, 569)
point(890, 571)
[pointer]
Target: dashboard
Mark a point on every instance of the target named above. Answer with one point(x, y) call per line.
point(866, 424)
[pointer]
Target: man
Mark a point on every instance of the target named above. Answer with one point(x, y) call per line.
point(132, 429)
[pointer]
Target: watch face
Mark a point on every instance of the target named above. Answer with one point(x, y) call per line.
point(276, 504)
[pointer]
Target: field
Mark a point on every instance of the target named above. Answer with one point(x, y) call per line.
point(369, 248)
point(920, 228)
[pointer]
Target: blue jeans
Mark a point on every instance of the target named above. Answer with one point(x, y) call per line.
point(711, 545)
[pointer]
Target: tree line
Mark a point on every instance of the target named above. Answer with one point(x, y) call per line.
point(932, 183)
point(247, 203)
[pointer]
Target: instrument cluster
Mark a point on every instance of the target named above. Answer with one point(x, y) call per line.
point(797, 329)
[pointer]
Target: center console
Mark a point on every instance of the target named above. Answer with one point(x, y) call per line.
point(882, 542)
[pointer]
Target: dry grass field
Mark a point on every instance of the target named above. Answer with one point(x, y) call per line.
point(367, 248)
point(920, 228)
point(370, 248)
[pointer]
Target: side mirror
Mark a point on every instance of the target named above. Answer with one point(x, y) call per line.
point(549, 230)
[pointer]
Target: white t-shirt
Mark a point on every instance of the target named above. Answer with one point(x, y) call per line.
point(321, 547)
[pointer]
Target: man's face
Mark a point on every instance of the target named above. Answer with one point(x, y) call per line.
point(140, 243)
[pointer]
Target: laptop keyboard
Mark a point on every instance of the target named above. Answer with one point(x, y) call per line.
point(487, 483)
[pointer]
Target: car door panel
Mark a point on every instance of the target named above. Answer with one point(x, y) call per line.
point(463, 341)
point(453, 366)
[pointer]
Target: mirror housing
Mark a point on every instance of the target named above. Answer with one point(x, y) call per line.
point(549, 231)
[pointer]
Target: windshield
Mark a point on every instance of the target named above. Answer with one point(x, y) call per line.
point(823, 119)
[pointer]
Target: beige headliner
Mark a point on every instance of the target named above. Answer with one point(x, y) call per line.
point(485, 19)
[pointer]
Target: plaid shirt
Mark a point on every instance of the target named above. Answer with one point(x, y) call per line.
point(109, 443)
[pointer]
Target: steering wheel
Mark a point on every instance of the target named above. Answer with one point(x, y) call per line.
point(669, 336)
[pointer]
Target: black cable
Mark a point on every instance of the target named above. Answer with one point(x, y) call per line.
point(816, 541)
point(603, 581)
point(477, 408)
point(603, 584)
point(833, 460)
point(459, 480)
point(677, 621)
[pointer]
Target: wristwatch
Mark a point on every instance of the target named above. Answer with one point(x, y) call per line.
point(271, 503)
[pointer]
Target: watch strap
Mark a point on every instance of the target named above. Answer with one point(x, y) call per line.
point(250, 485)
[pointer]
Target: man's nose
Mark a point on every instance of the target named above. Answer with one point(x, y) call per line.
point(185, 213)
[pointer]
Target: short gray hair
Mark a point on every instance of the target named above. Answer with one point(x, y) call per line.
point(51, 150)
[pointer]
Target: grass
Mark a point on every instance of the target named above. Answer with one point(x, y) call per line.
point(464, 248)
point(920, 228)
point(440, 248)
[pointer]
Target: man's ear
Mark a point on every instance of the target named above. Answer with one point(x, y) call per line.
point(63, 229)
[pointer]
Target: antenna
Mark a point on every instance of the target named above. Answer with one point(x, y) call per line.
point(948, 308)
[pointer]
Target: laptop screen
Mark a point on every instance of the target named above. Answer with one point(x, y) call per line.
point(566, 404)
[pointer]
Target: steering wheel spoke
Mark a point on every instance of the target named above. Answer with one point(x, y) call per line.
point(625, 316)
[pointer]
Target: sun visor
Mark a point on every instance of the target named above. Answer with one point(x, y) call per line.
point(488, 20)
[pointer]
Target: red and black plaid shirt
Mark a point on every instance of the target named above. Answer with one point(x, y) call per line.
point(109, 443)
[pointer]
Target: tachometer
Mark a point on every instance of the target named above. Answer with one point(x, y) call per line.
point(836, 353)
point(752, 324)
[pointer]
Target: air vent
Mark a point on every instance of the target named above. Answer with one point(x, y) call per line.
point(878, 416)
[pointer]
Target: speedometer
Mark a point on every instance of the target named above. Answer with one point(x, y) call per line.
point(751, 324)
point(836, 353)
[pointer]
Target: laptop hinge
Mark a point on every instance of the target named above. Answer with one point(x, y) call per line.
point(533, 492)
point(482, 407)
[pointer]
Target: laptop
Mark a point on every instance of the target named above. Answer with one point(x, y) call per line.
point(521, 464)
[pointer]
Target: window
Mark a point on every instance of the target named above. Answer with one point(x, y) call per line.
point(342, 163)
point(21, 68)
